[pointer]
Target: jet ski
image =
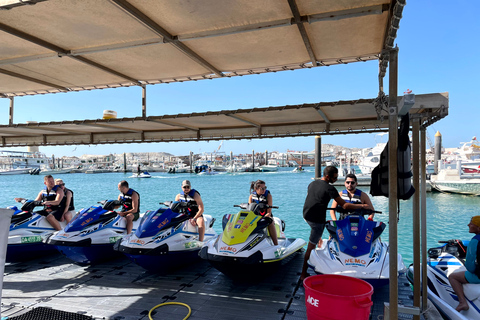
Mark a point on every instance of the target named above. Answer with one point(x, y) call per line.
point(165, 238)
point(441, 262)
point(355, 249)
point(244, 247)
point(144, 174)
point(27, 231)
point(91, 234)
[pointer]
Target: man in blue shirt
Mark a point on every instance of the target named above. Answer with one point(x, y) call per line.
point(457, 279)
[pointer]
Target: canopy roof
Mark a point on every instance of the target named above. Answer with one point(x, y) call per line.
point(286, 121)
point(60, 45)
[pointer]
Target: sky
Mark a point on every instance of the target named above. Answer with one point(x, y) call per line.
point(438, 52)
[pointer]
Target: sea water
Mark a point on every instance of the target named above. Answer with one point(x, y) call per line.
point(447, 214)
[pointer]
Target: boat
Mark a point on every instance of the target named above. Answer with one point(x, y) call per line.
point(45, 171)
point(356, 250)
point(451, 181)
point(245, 248)
point(441, 262)
point(91, 234)
point(27, 231)
point(21, 159)
point(15, 171)
point(268, 168)
point(475, 169)
point(179, 168)
point(372, 158)
point(165, 238)
point(144, 174)
point(298, 169)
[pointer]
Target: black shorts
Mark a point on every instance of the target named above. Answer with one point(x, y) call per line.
point(56, 213)
point(316, 232)
point(136, 215)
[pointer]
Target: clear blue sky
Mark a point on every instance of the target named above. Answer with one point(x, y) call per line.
point(438, 52)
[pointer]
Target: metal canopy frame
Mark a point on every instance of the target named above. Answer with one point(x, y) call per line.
point(120, 43)
point(324, 118)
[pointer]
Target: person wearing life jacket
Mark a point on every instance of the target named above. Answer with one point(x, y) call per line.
point(51, 197)
point(319, 194)
point(472, 264)
point(188, 194)
point(67, 201)
point(260, 194)
point(131, 204)
point(352, 195)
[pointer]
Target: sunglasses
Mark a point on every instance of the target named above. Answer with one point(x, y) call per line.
point(61, 184)
point(186, 187)
point(350, 182)
point(262, 188)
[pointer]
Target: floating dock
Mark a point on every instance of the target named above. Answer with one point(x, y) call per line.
point(121, 290)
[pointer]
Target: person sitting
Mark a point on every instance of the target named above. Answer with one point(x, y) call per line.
point(51, 197)
point(67, 202)
point(188, 194)
point(260, 194)
point(352, 195)
point(131, 204)
point(472, 275)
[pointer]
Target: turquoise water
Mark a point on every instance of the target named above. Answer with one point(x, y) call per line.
point(447, 214)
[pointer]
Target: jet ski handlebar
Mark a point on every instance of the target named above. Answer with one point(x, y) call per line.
point(258, 208)
point(355, 211)
point(29, 205)
point(110, 205)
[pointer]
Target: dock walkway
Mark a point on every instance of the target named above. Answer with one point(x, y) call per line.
point(121, 290)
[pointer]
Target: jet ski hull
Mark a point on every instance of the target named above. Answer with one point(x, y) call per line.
point(89, 255)
point(442, 262)
point(266, 259)
point(22, 252)
point(173, 244)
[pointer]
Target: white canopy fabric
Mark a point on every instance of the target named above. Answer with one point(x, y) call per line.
point(68, 45)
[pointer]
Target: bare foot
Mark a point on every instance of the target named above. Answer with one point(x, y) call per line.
point(462, 307)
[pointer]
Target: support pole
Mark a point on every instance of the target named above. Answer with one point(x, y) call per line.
point(392, 181)
point(266, 157)
point(437, 152)
point(144, 101)
point(191, 161)
point(318, 157)
point(423, 214)
point(416, 215)
point(253, 160)
point(124, 162)
point(10, 117)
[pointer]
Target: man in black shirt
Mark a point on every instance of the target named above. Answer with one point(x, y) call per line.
point(320, 192)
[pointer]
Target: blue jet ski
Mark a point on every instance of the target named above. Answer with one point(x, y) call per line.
point(28, 229)
point(165, 238)
point(355, 249)
point(91, 234)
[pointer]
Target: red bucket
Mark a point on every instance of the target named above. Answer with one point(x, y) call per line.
point(336, 297)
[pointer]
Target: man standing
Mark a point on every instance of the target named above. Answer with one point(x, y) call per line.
point(352, 195)
point(131, 204)
point(320, 192)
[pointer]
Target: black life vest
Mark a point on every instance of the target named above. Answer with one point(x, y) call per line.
point(379, 183)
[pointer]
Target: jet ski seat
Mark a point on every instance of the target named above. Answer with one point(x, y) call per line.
point(472, 291)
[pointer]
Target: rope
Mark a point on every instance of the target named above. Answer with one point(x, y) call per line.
point(169, 303)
